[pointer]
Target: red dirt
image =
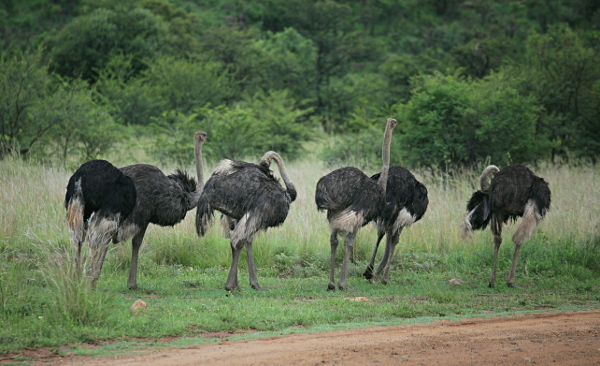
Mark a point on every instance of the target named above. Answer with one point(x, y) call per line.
point(565, 338)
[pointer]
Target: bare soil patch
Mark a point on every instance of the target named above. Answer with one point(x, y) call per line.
point(549, 338)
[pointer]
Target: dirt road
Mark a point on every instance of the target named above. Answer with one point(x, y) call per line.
point(566, 338)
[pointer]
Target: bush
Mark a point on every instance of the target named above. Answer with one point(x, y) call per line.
point(451, 121)
point(47, 117)
point(250, 128)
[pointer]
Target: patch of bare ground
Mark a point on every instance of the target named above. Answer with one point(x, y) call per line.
point(549, 338)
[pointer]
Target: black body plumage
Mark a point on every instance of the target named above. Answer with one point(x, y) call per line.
point(506, 199)
point(514, 192)
point(162, 200)
point(403, 191)
point(104, 190)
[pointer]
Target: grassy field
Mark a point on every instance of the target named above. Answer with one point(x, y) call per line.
point(43, 303)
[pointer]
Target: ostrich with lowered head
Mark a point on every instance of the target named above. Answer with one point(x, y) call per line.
point(406, 203)
point(158, 199)
point(352, 200)
point(515, 191)
point(251, 200)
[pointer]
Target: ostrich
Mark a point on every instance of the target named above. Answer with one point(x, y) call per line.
point(99, 198)
point(515, 191)
point(352, 200)
point(158, 199)
point(406, 203)
point(251, 199)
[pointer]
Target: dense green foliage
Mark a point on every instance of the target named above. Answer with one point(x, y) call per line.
point(469, 81)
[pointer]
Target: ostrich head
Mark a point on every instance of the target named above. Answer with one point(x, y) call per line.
point(200, 136)
point(391, 122)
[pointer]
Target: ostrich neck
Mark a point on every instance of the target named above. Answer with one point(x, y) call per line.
point(282, 171)
point(199, 165)
point(483, 180)
point(385, 156)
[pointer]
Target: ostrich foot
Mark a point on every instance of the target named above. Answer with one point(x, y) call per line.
point(235, 288)
point(330, 287)
point(142, 289)
point(342, 286)
point(368, 274)
point(258, 287)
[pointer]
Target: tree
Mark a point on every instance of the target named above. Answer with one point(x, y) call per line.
point(562, 71)
point(39, 112)
point(140, 29)
point(168, 84)
point(249, 128)
point(450, 122)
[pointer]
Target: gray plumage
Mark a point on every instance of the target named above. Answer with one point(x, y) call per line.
point(514, 192)
point(251, 200)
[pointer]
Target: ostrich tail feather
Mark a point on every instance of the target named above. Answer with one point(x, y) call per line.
point(204, 216)
point(75, 210)
point(478, 213)
point(541, 196)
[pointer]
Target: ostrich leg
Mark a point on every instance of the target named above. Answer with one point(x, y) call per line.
point(497, 242)
point(393, 241)
point(390, 244)
point(101, 232)
point(97, 261)
point(136, 243)
point(334, 243)
point(252, 268)
point(348, 243)
point(79, 244)
point(368, 274)
point(232, 278)
point(513, 267)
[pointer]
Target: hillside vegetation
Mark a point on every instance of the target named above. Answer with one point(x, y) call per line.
point(508, 81)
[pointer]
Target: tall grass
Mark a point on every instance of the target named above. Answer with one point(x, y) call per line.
point(42, 296)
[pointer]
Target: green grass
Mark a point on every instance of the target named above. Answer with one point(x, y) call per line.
point(44, 303)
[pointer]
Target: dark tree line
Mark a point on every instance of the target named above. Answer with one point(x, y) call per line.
point(511, 81)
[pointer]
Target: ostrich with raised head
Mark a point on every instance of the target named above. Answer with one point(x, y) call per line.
point(406, 203)
point(352, 200)
point(514, 191)
point(159, 199)
point(251, 200)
